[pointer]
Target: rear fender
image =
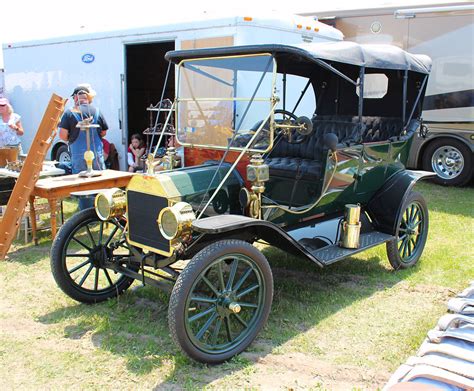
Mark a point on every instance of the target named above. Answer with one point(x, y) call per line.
point(385, 206)
point(247, 228)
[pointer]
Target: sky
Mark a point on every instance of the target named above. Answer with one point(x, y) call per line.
point(24, 20)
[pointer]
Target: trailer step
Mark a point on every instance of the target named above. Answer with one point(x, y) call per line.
point(334, 253)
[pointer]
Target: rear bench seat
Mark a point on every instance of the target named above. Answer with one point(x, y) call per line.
point(303, 161)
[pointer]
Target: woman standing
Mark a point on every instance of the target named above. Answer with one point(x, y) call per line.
point(10, 125)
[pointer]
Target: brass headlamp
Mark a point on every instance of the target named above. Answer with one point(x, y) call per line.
point(175, 221)
point(110, 203)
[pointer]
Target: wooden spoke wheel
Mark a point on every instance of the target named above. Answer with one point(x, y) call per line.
point(221, 301)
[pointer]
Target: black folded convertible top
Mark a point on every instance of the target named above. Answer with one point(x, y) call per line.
point(370, 56)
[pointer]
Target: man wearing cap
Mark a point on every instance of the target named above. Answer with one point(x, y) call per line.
point(68, 131)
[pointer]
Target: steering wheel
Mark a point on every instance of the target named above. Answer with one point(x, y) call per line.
point(294, 129)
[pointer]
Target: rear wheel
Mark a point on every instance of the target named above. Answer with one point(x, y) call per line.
point(405, 251)
point(81, 256)
point(221, 301)
point(450, 160)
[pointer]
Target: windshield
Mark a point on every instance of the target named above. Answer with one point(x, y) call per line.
point(223, 101)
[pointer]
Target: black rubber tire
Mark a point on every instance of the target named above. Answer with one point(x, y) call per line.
point(393, 253)
point(60, 152)
point(59, 269)
point(184, 285)
point(466, 174)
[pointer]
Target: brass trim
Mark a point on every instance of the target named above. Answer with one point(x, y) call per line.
point(223, 99)
point(152, 249)
point(159, 185)
point(272, 100)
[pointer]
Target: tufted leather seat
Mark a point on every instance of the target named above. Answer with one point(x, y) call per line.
point(304, 161)
point(293, 168)
point(380, 128)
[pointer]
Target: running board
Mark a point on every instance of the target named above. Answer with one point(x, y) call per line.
point(334, 253)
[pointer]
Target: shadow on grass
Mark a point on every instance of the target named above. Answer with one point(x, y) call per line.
point(135, 326)
point(29, 254)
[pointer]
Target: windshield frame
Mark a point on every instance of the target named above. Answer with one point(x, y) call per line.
point(271, 100)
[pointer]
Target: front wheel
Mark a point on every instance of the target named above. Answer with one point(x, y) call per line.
point(82, 254)
point(405, 251)
point(221, 301)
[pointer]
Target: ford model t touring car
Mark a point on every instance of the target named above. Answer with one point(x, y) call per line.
point(299, 147)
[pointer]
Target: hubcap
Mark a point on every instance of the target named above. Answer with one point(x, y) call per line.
point(225, 303)
point(410, 232)
point(447, 162)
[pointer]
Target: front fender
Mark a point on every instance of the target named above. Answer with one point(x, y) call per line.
point(385, 206)
point(235, 225)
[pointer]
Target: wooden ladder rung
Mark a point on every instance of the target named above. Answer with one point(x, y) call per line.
point(26, 180)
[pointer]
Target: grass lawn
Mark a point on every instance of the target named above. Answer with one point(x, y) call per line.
point(347, 326)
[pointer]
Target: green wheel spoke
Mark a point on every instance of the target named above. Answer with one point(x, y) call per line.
point(81, 265)
point(206, 326)
point(77, 255)
point(405, 243)
point(248, 290)
point(417, 224)
point(81, 243)
point(402, 237)
point(412, 209)
point(96, 280)
point(220, 275)
point(108, 277)
point(211, 287)
point(203, 299)
point(109, 238)
point(101, 232)
point(242, 279)
point(215, 333)
point(401, 245)
point(228, 329)
point(86, 274)
point(201, 314)
point(242, 322)
point(90, 235)
point(409, 248)
point(249, 305)
point(416, 216)
point(233, 271)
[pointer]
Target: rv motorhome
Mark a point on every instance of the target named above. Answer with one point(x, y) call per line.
point(446, 34)
point(127, 68)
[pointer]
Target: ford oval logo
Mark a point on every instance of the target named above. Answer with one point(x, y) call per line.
point(88, 58)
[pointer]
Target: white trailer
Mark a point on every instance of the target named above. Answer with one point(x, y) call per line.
point(445, 32)
point(127, 68)
point(2, 82)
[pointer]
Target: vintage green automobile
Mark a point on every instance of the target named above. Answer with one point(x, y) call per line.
point(299, 147)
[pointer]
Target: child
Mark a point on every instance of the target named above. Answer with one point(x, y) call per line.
point(135, 151)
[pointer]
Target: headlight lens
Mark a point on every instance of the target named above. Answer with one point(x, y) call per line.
point(110, 203)
point(168, 224)
point(176, 220)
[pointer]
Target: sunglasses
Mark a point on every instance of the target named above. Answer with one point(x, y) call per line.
point(2, 105)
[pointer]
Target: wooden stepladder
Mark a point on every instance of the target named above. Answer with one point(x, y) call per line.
point(29, 173)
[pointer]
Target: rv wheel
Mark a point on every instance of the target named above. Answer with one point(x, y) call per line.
point(62, 154)
point(451, 160)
